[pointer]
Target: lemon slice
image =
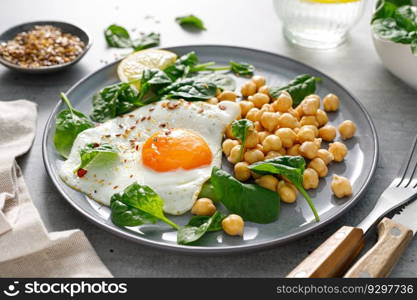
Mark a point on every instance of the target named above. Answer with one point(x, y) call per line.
point(132, 67)
point(331, 1)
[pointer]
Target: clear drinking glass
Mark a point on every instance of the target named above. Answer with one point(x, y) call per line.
point(320, 24)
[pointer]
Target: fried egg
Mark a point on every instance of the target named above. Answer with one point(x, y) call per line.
point(170, 146)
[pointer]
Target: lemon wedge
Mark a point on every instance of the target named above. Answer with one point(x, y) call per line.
point(132, 67)
point(331, 1)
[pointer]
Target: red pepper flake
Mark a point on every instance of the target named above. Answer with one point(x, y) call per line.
point(173, 105)
point(222, 107)
point(143, 119)
point(200, 110)
point(148, 118)
point(119, 134)
point(95, 145)
point(133, 127)
point(163, 125)
point(131, 116)
point(107, 136)
point(152, 109)
point(131, 176)
point(120, 126)
point(137, 147)
point(115, 187)
point(81, 172)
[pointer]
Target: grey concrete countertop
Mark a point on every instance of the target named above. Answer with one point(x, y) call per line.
point(391, 103)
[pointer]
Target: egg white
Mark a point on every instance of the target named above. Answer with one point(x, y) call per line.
point(180, 188)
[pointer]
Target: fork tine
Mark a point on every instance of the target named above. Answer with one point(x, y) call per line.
point(409, 168)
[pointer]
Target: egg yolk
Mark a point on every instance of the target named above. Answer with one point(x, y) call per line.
point(176, 149)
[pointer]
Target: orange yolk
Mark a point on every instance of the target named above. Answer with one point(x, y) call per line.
point(176, 149)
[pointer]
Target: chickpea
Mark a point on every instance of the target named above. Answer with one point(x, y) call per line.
point(260, 147)
point(287, 136)
point(255, 175)
point(308, 150)
point(258, 126)
point(327, 133)
point(253, 155)
point(213, 100)
point(262, 135)
point(245, 106)
point(248, 89)
point(264, 90)
point(347, 129)
point(321, 117)
point(325, 155)
point(314, 128)
point(299, 110)
point(268, 181)
point(309, 120)
point(339, 151)
point(252, 114)
point(286, 192)
point(227, 146)
point(310, 179)
point(318, 142)
point(294, 150)
point(294, 113)
point(228, 132)
point(306, 133)
point(227, 96)
point(287, 120)
point(242, 171)
point(282, 151)
point(315, 97)
point(233, 225)
point(203, 207)
point(341, 186)
point(272, 143)
point(331, 102)
point(319, 165)
point(258, 80)
point(259, 99)
point(252, 139)
point(310, 105)
point(234, 154)
point(283, 103)
point(269, 120)
point(272, 154)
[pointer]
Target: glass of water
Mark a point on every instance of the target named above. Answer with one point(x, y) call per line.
point(320, 24)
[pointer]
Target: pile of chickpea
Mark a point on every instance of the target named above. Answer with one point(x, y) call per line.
point(279, 129)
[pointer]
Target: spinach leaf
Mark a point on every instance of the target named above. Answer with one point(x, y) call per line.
point(97, 154)
point(207, 191)
point(146, 41)
point(152, 79)
point(241, 69)
point(191, 21)
point(240, 130)
point(113, 101)
point(292, 168)
point(215, 225)
point(182, 66)
point(126, 215)
point(406, 17)
point(414, 47)
point(250, 201)
point(69, 123)
point(117, 37)
point(388, 29)
point(299, 88)
point(385, 9)
point(189, 89)
point(222, 81)
point(191, 233)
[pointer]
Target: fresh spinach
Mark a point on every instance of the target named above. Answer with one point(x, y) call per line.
point(117, 37)
point(250, 201)
point(241, 69)
point(189, 89)
point(123, 214)
point(388, 29)
point(240, 130)
point(207, 191)
point(300, 87)
point(216, 224)
point(191, 21)
point(151, 80)
point(197, 228)
point(223, 81)
point(181, 67)
point(69, 123)
point(292, 168)
point(146, 41)
point(97, 154)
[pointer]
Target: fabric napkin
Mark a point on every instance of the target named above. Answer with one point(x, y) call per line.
point(26, 247)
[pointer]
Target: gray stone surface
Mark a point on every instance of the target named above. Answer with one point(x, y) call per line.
point(392, 105)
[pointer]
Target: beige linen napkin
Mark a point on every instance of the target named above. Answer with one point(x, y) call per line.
point(26, 248)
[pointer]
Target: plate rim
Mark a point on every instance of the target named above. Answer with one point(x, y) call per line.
point(121, 232)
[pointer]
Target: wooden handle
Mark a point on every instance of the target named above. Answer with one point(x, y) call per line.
point(333, 257)
point(378, 262)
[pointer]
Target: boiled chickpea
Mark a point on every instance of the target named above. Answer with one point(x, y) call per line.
point(272, 143)
point(248, 89)
point(259, 99)
point(299, 110)
point(283, 103)
point(287, 136)
point(309, 120)
point(262, 135)
point(269, 121)
point(233, 225)
point(213, 100)
point(245, 106)
point(258, 80)
point(327, 133)
point(294, 113)
point(310, 179)
point(310, 106)
point(339, 151)
point(253, 155)
point(325, 155)
point(268, 181)
point(255, 175)
point(272, 154)
point(227, 146)
point(252, 139)
point(347, 129)
point(264, 90)
point(227, 96)
point(341, 186)
point(319, 165)
point(331, 102)
point(287, 120)
point(258, 126)
point(305, 133)
point(242, 171)
point(286, 192)
point(252, 114)
point(294, 150)
point(234, 154)
point(308, 150)
point(282, 151)
point(228, 132)
point(318, 142)
point(321, 117)
point(203, 207)
point(314, 128)
point(260, 147)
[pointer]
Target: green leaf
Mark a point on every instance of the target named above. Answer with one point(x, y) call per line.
point(299, 88)
point(97, 155)
point(216, 224)
point(292, 168)
point(198, 227)
point(126, 215)
point(222, 81)
point(151, 80)
point(241, 69)
point(189, 89)
point(207, 191)
point(146, 41)
point(191, 21)
point(69, 123)
point(113, 101)
point(181, 67)
point(117, 37)
point(388, 29)
point(240, 130)
point(406, 17)
point(384, 10)
point(414, 47)
point(250, 201)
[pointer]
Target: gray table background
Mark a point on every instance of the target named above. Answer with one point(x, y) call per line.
point(391, 103)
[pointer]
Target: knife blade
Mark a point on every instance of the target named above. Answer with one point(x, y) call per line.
point(407, 216)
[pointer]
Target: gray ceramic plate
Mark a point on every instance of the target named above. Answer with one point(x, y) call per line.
point(296, 219)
